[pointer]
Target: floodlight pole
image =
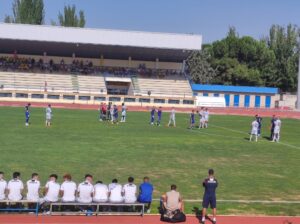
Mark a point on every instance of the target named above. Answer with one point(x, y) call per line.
point(298, 87)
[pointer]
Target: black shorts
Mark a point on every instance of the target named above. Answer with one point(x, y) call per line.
point(209, 200)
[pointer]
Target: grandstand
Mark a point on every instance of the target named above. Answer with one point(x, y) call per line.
point(48, 60)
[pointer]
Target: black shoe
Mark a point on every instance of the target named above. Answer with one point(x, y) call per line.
point(214, 222)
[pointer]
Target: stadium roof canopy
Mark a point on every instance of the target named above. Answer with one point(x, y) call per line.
point(85, 42)
point(234, 89)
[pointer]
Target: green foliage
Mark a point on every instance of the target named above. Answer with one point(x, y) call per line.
point(200, 68)
point(244, 60)
point(27, 12)
point(70, 18)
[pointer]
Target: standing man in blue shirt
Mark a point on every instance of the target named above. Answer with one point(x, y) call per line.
point(192, 119)
point(145, 195)
point(209, 198)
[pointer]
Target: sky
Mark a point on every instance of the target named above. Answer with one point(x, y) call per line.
point(210, 18)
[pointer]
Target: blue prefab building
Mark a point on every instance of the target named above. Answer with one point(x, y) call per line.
point(239, 96)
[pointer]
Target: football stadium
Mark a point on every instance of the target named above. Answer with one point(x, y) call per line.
point(111, 126)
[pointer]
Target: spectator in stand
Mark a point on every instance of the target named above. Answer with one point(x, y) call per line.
point(145, 194)
point(100, 192)
point(15, 188)
point(129, 191)
point(68, 189)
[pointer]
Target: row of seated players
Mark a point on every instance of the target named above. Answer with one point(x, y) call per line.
point(69, 191)
point(87, 67)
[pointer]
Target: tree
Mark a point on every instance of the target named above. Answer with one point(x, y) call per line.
point(70, 18)
point(200, 68)
point(27, 12)
point(284, 42)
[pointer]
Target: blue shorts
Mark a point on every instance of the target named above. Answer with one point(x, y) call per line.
point(209, 200)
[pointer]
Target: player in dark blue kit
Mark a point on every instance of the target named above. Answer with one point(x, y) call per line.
point(27, 114)
point(259, 121)
point(152, 115)
point(209, 198)
point(116, 114)
point(159, 114)
point(272, 127)
point(192, 119)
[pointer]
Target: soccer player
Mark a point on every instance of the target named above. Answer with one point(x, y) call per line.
point(103, 110)
point(129, 191)
point(192, 119)
point(68, 189)
point(259, 121)
point(276, 134)
point(254, 130)
point(3, 185)
point(206, 117)
point(15, 188)
point(85, 190)
point(33, 187)
point(159, 114)
point(111, 112)
point(172, 118)
point(115, 192)
point(100, 192)
point(115, 114)
point(48, 115)
point(108, 110)
point(146, 191)
point(272, 127)
point(209, 198)
point(51, 190)
point(124, 110)
point(27, 116)
point(152, 115)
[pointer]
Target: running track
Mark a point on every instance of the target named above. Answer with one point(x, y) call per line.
point(229, 111)
point(148, 219)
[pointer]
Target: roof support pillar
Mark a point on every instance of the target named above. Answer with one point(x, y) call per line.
point(129, 61)
point(101, 60)
point(157, 63)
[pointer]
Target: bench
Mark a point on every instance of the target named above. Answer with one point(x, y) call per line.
point(9, 204)
point(97, 207)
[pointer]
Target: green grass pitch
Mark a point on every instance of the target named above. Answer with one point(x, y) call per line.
point(78, 143)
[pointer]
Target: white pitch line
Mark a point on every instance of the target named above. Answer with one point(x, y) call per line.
point(242, 201)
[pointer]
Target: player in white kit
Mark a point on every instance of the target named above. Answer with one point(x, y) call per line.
point(48, 115)
point(277, 127)
point(100, 192)
point(85, 190)
point(124, 110)
point(33, 187)
point(3, 185)
point(254, 130)
point(172, 118)
point(68, 189)
point(15, 188)
point(206, 117)
point(129, 191)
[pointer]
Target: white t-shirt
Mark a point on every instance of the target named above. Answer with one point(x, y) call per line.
point(85, 190)
point(100, 193)
point(277, 126)
point(53, 191)
point(69, 189)
point(129, 191)
point(124, 110)
point(206, 115)
point(254, 127)
point(172, 115)
point(15, 186)
point(33, 187)
point(3, 185)
point(115, 192)
point(48, 113)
